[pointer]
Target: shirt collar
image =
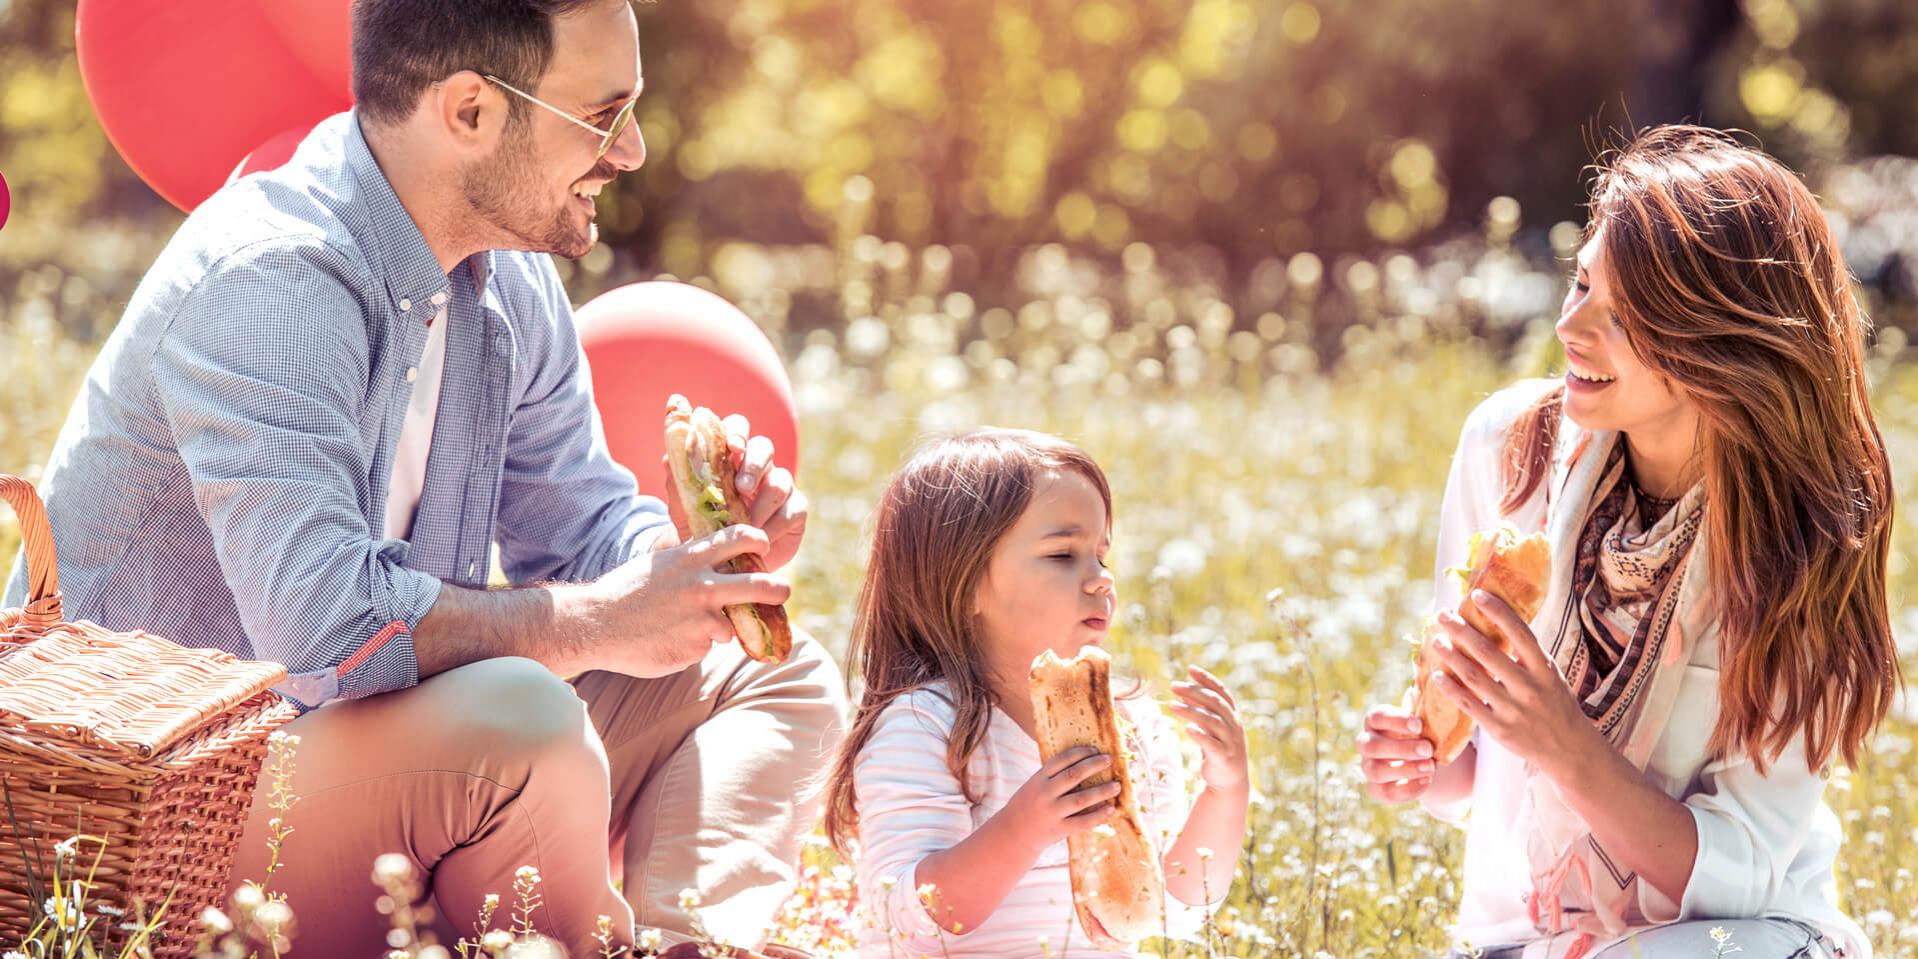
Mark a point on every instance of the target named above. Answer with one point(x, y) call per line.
point(414, 279)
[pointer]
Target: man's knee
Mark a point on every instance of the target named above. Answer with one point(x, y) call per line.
point(511, 704)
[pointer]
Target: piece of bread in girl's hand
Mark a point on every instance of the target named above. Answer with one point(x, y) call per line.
point(704, 481)
point(1118, 884)
point(1512, 567)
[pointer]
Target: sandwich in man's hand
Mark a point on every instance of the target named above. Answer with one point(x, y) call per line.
point(704, 481)
point(1508, 566)
point(1118, 884)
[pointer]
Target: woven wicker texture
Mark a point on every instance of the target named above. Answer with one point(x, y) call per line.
point(125, 736)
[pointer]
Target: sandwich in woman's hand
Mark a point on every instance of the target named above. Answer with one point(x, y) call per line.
point(1118, 885)
point(703, 478)
point(1508, 566)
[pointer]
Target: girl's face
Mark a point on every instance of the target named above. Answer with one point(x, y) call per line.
point(1608, 387)
point(1046, 585)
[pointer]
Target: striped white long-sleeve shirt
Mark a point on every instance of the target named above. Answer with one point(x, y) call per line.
point(910, 806)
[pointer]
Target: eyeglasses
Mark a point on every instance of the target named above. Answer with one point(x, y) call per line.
point(620, 121)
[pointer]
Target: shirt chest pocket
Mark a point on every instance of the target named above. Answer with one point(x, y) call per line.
point(1681, 751)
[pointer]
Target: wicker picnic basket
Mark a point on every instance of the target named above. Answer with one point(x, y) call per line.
point(125, 736)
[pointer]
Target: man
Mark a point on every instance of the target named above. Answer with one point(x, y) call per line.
point(333, 392)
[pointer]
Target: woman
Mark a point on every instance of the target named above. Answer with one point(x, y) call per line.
point(1651, 759)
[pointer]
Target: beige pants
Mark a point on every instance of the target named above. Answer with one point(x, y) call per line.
point(692, 781)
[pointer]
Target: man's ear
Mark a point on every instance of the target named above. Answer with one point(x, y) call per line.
point(470, 110)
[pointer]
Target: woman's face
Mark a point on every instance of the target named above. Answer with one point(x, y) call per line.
point(1046, 585)
point(1608, 387)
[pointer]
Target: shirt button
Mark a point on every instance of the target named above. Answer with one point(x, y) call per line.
point(405, 304)
point(471, 568)
point(439, 299)
point(412, 373)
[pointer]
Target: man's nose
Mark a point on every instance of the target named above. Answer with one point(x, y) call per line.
point(629, 151)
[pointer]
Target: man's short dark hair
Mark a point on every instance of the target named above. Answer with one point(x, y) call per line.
point(401, 46)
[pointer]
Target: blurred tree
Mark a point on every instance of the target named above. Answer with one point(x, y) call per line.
point(1247, 128)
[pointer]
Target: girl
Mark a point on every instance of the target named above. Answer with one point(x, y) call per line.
point(990, 548)
point(1650, 761)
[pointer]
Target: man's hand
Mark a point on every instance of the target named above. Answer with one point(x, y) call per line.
point(776, 505)
point(663, 610)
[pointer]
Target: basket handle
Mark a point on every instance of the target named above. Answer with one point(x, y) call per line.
point(42, 610)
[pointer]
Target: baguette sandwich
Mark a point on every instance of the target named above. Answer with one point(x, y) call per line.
point(1508, 566)
point(1118, 885)
point(703, 480)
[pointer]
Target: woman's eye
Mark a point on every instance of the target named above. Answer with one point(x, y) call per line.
point(1066, 556)
point(1581, 287)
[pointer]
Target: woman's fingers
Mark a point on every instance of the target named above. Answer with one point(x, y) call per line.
point(1480, 648)
point(1393, 721)
point(1505, 619)
point(1375, 745)
point(1399, 791)
point(1383, 771)
point(1465, 698)
point(1465, 672)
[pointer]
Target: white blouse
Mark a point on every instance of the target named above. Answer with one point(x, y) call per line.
point(910, 807)
point(1766, 843)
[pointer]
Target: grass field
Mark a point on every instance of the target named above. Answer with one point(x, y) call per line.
point(1274, 523)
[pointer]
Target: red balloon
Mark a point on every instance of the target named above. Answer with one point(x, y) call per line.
point(272, 154)
point(186, 88)
point(320, 34)
point(647, 341)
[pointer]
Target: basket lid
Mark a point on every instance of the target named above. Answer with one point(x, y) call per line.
point(130, 694)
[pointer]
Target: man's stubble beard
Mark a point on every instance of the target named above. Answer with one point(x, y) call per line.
point(504, 189)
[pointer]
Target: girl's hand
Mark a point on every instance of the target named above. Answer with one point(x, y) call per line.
point(1398, 764)
point(1051, 805)
point(1519, 699)
point(1212, 720)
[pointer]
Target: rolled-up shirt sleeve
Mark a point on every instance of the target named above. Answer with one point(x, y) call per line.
point(267, 428)
point(1751, 826)
point(910, 806)
point(567, 510)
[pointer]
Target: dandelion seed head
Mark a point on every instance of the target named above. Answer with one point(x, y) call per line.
point(248, 897)
point(274, 914)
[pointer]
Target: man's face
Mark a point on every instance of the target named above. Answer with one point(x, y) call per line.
point(539, 186)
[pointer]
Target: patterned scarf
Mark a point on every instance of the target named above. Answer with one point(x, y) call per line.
point(1625, 583)
point(1619, 621)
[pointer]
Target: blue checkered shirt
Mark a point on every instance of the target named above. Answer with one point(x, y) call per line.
point(222, 477)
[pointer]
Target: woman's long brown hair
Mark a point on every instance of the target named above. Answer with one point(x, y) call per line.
point(937, 524)
point(1728, 281)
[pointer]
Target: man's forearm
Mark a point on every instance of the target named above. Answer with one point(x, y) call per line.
point(548, 624)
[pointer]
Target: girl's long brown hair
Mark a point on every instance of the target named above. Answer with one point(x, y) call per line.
point(937, 524)
point(1728, 281)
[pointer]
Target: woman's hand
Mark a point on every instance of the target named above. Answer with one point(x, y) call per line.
point(1397, 761)
point(1212, 720)
point(1051, 805)
point(1518, 699)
